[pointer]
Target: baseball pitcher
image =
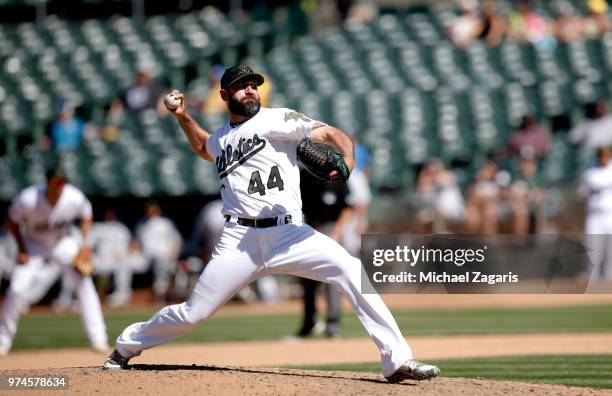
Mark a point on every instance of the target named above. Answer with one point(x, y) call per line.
point(256, 154)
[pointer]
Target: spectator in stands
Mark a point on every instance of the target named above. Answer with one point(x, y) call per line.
point(213, 104)
point(439, 197)
point(494, 25)
point(161, 245)
point(145, 93)
point(114, 120)
point(325, 16)
point(596, 186)
point(529, 26)
point(566, 26)
point(483, 199)
point(67, 130)
point(596, 129)
point(362, 12)
point(530, 139)
point(597, 22)
point(466, 27)
point(525, 197)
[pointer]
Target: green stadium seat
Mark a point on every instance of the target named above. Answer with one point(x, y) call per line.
point(205, 176)
point(11, 178)
point(560, 164)
point(515, 62)
point(481, 67)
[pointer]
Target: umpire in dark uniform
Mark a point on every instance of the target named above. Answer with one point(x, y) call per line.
point(326, 208)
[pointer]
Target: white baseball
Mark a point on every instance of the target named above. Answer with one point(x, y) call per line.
point(171, 102)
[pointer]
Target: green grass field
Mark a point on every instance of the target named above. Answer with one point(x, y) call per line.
point(59, 331)
point(573, 370)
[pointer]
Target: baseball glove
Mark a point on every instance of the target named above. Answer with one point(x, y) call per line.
point(321, 159)
point(83, 263)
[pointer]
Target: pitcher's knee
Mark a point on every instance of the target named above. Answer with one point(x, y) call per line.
point(194, 313)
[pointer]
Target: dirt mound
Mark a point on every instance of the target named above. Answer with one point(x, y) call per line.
point(224, 380)
point(299, 352)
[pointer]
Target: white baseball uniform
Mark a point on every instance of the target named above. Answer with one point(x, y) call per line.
point(45, 232)
point(8, 253)
point(110, 242)
point(597, 187)
point(259, 176)
point(47, 275)
point(161, 243)
point(209, 227)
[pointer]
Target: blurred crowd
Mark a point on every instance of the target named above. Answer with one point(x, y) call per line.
point(506, 194)
point(526, 24)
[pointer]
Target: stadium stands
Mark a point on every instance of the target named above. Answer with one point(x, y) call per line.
point(398, 83)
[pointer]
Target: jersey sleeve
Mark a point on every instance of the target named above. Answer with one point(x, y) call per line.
point(85, 210)
point(209, 146)
point(16, 210)
point(293, 125)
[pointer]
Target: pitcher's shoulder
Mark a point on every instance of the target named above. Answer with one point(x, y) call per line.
point(279, 112)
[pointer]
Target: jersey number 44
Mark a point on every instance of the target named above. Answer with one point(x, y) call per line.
point(274, 181)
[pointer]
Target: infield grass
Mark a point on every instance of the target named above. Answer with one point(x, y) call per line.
point(573, 370)
point(65, 330)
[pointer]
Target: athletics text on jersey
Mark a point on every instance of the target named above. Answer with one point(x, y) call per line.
point(257, 165)
point(43, 225)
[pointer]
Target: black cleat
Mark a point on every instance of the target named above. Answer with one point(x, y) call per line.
point(115, 362)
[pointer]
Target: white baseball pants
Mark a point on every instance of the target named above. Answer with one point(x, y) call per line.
point(23, 277)
point(244, 254)
point(598, 241)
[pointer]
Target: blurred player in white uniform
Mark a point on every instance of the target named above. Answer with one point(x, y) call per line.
point(110, 240)
point(359, 199)
point(8, 253)
point(46, 277)
point(264, 233)
point(160, 243)
point(40, 218)
point(597, 187)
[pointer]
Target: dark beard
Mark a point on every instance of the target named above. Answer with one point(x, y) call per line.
point(246, 109)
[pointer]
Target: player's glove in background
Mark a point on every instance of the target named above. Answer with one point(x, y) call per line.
point(83, 263)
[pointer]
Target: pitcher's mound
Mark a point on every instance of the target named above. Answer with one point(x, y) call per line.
point(174, 380)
